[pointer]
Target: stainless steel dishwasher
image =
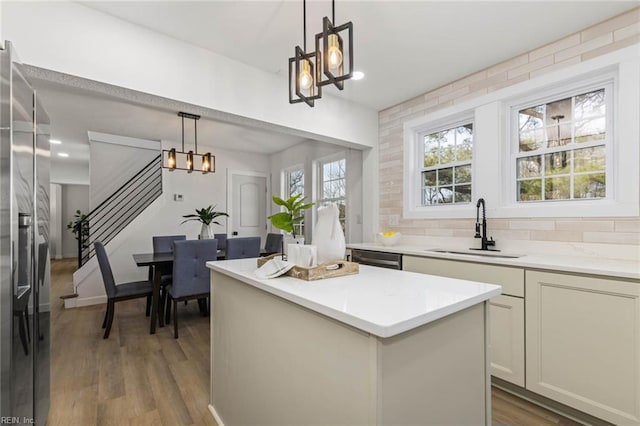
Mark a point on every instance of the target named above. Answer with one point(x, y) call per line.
point(377, 258)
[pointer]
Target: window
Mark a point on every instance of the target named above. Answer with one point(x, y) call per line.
point(294, 184)
point(446, 165)
point(333, 186)
point(562, 148)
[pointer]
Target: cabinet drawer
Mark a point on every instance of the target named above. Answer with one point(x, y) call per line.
point(511, 279)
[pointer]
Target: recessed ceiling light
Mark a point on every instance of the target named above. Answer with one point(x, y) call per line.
point(358, 75)
point(63, 154)
point(55, 141)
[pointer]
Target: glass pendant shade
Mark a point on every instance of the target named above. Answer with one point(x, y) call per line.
point(334, 52)
point(189, 161)
point(207, 165)
point(171, 162)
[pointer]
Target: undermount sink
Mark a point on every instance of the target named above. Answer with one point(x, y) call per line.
point(482, 253)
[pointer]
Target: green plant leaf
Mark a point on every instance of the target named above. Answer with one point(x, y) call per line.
point(282, 221)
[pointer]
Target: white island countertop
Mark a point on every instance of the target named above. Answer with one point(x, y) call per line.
point(379, 301)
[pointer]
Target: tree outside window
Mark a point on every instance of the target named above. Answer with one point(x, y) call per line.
point(446, 165)
point(294, 184)
point(562, 149)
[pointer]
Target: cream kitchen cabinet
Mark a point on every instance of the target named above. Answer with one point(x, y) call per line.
point(583, 343)
point(506, 311)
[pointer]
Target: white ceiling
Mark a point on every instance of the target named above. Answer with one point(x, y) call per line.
point(406, 48)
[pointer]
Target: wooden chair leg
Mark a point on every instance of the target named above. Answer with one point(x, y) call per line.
point(148, 310)
point(110, 310)
point(175, 319)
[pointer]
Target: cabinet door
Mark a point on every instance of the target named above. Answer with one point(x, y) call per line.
point(583, 343)
point(507, 338)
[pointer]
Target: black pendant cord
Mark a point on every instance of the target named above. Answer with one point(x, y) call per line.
point(333, 11)
point(183, 133)
point(304, 25)
point(195, 130)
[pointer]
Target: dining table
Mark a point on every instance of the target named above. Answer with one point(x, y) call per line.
point(156, 261)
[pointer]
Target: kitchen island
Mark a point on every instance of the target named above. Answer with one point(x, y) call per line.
point(380, 347)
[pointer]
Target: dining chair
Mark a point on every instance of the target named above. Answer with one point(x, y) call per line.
point(273, 244)
point(243, 247)
point(222, 241)
point(190, 274)
point(164, 244)
point(118, 292)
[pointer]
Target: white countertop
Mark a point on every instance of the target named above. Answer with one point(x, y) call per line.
point(379, 301)
point(581, 265)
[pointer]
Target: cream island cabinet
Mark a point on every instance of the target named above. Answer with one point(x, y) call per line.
point(380, 347)
point(581, 333)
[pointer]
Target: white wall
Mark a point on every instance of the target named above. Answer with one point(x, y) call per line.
point(112, 165)
point(306, 154)
point(73, 197)
point(163, 217)
point(69, 172)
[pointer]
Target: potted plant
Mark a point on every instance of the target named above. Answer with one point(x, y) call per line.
point(80, 231)
point(293, 215)
point(206, 216)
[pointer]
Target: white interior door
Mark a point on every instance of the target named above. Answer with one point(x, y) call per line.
point(248, 193)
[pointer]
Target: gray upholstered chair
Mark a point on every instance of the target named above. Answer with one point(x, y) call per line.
point(243, 247)
point(273, 244)
point(164, 244)
point(119, 292)
point(190, 274)
point(222, 241)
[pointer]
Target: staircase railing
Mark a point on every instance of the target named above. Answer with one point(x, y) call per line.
point(112, 215)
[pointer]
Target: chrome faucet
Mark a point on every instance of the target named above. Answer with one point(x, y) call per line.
point(482, 232)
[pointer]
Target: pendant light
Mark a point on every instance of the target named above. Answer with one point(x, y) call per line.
point(302, 70)
point(330, 52)
point(174, 159)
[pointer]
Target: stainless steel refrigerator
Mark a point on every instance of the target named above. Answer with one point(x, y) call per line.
point(24, 242)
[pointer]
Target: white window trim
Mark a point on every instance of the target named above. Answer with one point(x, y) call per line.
point(284, 179)
point(317, 183)
point(491, 131)
point(413, 155)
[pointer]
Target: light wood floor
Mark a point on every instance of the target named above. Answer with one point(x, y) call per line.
point(134, 378)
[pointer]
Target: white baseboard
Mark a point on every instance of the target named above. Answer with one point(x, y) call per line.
point(215, 415)
point(77, 302)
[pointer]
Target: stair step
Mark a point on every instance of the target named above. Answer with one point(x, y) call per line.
point(69, 296)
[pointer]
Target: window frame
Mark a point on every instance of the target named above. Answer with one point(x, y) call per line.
point(440, 166)
point(548, 95)
point(320, 182)
point(286, 186)
point(414, 166)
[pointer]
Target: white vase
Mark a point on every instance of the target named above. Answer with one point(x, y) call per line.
point(206, 232)
point(328, 236)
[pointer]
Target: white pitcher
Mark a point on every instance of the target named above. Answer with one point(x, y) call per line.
point(328, 235)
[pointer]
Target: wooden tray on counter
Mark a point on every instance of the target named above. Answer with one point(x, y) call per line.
point(337, 268)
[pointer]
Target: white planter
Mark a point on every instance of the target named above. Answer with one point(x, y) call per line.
point(288, 239)
point(206, 232)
